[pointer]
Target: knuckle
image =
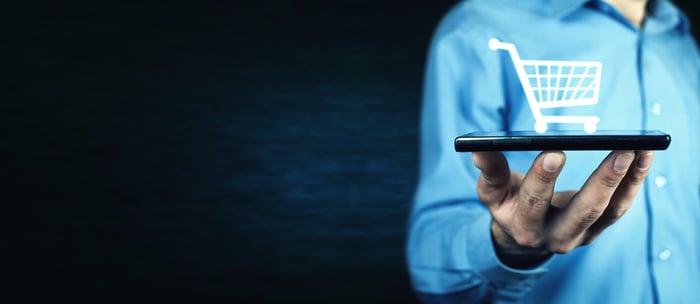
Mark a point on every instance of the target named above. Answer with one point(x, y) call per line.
point(588, 216)
point(593, 214)
point(636, 180)
point(545, 179)
point(615, 214)
point(528, 239)
point(494, 181)
point(490, 197)
point(532, 199)
point(610, 181)
point(561, 246)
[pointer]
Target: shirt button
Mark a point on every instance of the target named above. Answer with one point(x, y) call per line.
point(656, 108)
point(660, 181)
point(665, 254)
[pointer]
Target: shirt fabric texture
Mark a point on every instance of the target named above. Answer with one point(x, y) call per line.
point(650, 80)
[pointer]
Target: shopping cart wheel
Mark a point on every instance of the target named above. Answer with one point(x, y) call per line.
point(590, 127)
point(540, 127)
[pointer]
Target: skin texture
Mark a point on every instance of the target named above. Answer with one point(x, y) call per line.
point(531, 221)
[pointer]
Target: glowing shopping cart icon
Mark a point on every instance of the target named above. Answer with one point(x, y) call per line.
point(556, 84)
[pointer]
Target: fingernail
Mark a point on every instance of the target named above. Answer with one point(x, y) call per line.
point(645, 161)
point(623, 162)
point(552, 162)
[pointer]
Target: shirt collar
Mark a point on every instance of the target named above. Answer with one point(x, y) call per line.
point(663, 15)
point(562, 8)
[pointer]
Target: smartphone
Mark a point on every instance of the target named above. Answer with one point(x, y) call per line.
point(562, 140)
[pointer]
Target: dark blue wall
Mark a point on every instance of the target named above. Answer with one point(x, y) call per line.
point(262, 150)
point(257, 150)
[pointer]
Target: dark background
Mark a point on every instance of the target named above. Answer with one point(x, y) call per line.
point(256, 151)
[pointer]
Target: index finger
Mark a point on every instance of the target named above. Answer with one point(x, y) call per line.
point(494, 180)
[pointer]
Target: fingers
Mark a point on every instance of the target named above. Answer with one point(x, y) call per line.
point(535, 218)
point(590, 203)
point(525, 199)
point(494, 181)
point(537, 189)
point(623, 197)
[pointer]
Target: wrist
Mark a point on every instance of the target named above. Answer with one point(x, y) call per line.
point(513, 255)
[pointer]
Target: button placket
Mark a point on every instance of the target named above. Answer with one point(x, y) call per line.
point(660, 181)
point(656, 108)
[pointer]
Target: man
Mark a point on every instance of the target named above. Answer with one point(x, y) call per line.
point(482, 232)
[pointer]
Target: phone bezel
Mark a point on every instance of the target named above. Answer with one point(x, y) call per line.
point(562, 140)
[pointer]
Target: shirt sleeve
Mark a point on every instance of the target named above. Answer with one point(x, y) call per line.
point(450, 252)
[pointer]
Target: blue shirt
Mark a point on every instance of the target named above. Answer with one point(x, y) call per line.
point(650, 80)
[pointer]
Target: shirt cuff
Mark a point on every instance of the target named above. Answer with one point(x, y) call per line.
point(482, 254)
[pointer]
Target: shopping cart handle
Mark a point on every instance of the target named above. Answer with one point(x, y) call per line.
point(496, 44)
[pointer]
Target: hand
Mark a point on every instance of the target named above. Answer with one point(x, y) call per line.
point(530, 221)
